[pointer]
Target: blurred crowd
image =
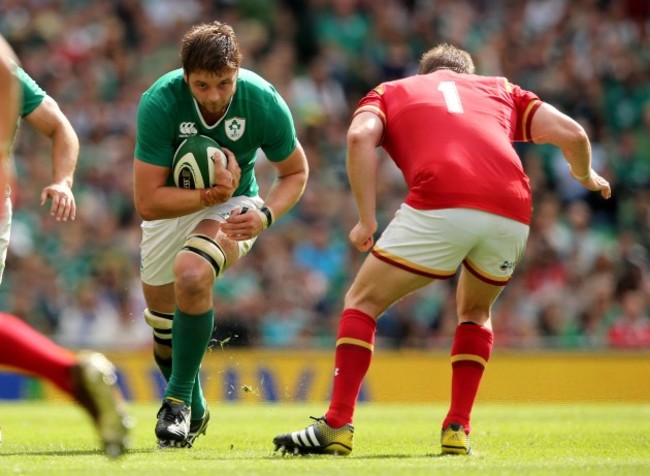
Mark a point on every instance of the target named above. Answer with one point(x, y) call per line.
point(583, 283)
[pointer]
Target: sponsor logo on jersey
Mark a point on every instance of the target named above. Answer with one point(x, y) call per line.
point(187, 129)
point(235, 128)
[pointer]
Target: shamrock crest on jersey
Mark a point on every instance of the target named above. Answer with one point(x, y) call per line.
point(235, 128)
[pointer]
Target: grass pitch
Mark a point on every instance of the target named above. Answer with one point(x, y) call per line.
point(57, 438)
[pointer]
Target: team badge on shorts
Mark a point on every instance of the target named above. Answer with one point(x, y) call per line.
point(235, 128)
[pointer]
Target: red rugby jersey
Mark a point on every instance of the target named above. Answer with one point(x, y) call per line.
point(451, 136)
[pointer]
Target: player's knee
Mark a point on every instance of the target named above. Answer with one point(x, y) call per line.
point(354, 299)
point(350, 300)
point(209, 252)
point(192, 282)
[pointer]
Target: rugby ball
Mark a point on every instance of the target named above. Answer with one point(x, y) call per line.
point(193, 163)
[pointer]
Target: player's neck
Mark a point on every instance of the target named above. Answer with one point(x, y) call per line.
point(211, 118)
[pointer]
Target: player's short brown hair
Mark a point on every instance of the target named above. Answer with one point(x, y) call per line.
point(210, 47)
point(446, 56)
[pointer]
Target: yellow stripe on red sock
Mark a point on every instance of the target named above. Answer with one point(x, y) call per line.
point(468, 357)
point(353, 341)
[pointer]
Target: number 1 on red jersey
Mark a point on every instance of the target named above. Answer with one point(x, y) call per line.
point(452, 98)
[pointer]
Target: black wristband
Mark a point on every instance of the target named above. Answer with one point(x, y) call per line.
point(268, 214)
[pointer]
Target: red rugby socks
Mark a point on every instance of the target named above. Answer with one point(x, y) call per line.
point(354, 347)
point(470, 353)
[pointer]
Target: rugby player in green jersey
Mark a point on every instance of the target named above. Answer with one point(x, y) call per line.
point(43, 114)
point(88, 377)
point(190, 237)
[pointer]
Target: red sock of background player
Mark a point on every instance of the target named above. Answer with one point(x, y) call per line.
point(26, 349)
point(470, 353)
point(354, 346)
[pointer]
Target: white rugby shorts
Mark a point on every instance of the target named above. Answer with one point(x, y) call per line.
point(434, 243)
point(163, 239)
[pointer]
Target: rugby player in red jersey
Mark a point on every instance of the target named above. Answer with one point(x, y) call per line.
point(468, 206)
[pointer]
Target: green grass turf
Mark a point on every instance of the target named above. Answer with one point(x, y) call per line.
point(49, 439)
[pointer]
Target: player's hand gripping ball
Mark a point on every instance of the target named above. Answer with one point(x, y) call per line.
point(194, 162)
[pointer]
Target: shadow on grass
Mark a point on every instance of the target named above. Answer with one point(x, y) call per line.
point(271, 457)
point(76, 453)
point(368, 457)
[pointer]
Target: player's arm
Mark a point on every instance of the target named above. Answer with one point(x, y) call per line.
point(286, 190)
point(551, 126)
point(364, 136)
point(9, 98)
point(289, 184)
point(50, 122)
point(155, 200)
point(9, 110)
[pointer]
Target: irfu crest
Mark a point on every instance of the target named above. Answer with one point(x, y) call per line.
point(235, 128)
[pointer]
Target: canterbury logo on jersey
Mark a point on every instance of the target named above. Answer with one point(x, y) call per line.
point(187, 129)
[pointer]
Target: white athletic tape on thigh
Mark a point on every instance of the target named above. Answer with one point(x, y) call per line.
point(208, 249)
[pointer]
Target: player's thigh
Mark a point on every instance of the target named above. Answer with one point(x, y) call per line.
point(416, 247)
point(489, 265)
point(159, 298)
point(379, 284)
point(163, 239)
point(218, 214)
point(474, 298)
point(210, 227)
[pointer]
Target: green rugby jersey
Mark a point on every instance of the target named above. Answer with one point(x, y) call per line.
point(32, 93)
point(257, 118)
point(31, 96)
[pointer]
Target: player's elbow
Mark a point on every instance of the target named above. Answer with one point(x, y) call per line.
point(144, 209)
point(355, 136)
point(301, 178)
point(550, 126)
point(366, 130)
point(359, 137)
point(146, 216)
point(572, 136)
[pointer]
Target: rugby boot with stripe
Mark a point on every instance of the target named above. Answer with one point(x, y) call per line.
point(454, 440)
point(173, 426)
point(318, 438)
